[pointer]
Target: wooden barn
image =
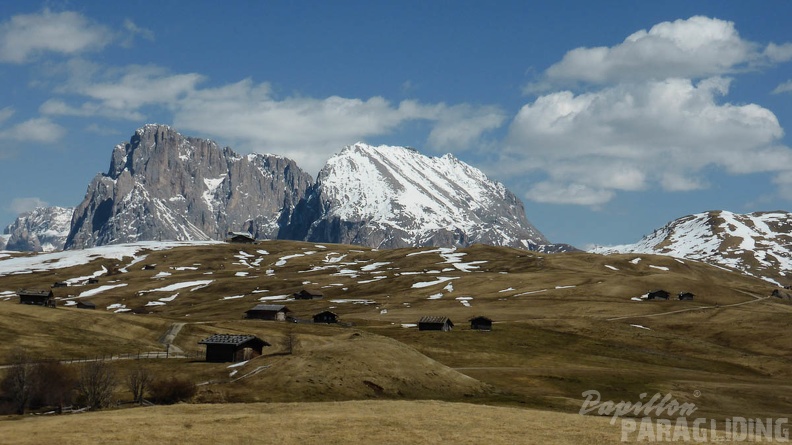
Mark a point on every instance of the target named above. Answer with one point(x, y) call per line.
point(309, 294)
point(325, 317)
point(277, 312)
point(435, 323)
point(232, 348)
point(481, 323)
point(60, 284)
point(686, 296)
point(240, 237)
point(659, 294)
point(37, 297)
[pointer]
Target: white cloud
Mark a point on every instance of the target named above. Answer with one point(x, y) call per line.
point(22, 205)
point(785, 87)
point(693, 48)
point(34, 130)
point(635, 136)
point(25, 36)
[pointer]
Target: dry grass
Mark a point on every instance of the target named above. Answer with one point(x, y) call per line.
point(380, 422)
point(563, 326)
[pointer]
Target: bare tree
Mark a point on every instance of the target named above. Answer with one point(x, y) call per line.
point(289, 342)
point(139, 381)
point(96, 384)
point(54, 384)
point(18, 382)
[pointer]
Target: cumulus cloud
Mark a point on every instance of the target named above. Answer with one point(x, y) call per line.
point(634, 136)
point(693, 48)
point(785, 87)
point(652, 114)
point(23, 205)
point(25, 36)
point(309, 130)
point(34, 130)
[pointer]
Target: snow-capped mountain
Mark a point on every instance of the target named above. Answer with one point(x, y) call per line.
point(392, 197)
point(759, 244)
point(41, 230)
point(164, 186)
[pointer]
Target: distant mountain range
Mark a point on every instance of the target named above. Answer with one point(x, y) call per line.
point(162, 185)
point(759, 244)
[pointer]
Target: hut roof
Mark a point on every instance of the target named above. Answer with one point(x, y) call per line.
point(270, 307)
point(481, 318)
point(326, 312)
point(34, 293)
point(435, 319)
point(229, 339)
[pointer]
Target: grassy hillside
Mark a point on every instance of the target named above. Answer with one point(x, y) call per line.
point(564, 324)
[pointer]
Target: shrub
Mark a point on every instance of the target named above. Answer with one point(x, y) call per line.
point(172, 390)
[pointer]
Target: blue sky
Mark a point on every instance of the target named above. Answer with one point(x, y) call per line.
point(608, 119)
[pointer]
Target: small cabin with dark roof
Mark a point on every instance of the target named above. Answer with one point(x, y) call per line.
point(325, 317)
point(308, 294)
point(481, 323)
point(435, 323)
point(276, 312)
point(60, 284)
point(37, 297)
point(686, 296)
point(240, 237)
point(232, 348)
point(659, 294)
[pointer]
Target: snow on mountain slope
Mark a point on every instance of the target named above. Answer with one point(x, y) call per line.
point(759, 244)
point(396, 197)
point(41, 230)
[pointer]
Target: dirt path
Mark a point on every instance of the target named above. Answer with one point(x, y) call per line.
point(756, 299)
point(169, 336)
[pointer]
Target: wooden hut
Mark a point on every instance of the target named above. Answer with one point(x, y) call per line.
point(435, 323)
point(325, 317)
point(36, 296)
point(308, 294)
point(60, 284)
point(481, 323)
point(277, 312)
point(686, 296)
point(232, 348)
point(240, 237)
point(657, 295)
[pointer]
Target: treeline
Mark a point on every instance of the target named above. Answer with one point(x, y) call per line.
point(29, 384)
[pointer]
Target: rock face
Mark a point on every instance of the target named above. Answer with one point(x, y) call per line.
point(164, 186)
point(758, 244)
point(389, 197)
point(42, 230)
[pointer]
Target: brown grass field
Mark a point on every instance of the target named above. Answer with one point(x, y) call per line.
point(564, 324)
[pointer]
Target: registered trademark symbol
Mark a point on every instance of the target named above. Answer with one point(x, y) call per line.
point(697, 393)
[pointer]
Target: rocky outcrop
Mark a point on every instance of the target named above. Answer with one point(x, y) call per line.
point(164, 186)
point(44, 229)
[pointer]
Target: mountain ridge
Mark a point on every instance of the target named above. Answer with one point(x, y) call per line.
point(162, 185)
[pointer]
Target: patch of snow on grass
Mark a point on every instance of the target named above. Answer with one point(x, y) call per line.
point(170, 288)
point(439, 280)
point(237, 365)
point(611, 267)
point(182, 268)
point(639, 326)
point(282, 260)
point(449, 287)
point(409, 325)
point(377, 278)
point(374, 266)
point(162, 274)
point(659, 267)
point(531, 292)
point(275, 298)
point(435, 297)
point(241, 274)
point(169, 299)
point(354, 301)
point(506, 290)
point(233, 297)
point(100, 289)
point(636, 260)
point(565, 287)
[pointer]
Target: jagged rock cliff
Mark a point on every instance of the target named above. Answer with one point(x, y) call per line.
point(164, 186)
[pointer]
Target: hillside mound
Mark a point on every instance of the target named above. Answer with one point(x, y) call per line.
point(352, 365)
